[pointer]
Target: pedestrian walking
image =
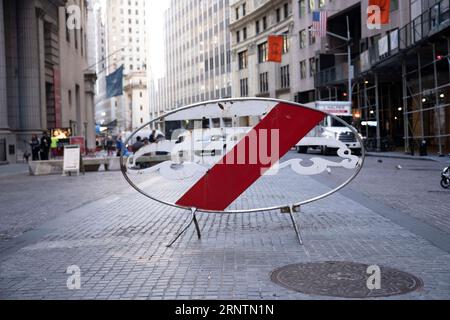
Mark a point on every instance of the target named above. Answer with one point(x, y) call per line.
point(26, 157)
point(110, 146)
point(119, 146)
point(137, 145)
point(46, 142)
point(152, 137)
point(54, 146)
point(35, 147)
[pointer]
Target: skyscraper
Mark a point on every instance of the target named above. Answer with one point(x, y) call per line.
point(126, 44)
point(197, 54)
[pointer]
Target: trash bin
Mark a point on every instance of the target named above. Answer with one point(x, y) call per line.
point(423, 148)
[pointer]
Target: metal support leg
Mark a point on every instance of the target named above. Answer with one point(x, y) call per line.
point(291, 210)
point(197, 227)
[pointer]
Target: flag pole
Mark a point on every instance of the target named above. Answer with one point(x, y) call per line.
point(350, 75)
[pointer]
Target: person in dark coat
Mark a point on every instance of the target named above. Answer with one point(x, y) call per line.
point(35, 147)
point(119, 146)
point(46, 143)
point(137, 145)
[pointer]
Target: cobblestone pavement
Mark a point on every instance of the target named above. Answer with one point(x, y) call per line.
point(410, 186)
point(118, 239)
point(27, 201)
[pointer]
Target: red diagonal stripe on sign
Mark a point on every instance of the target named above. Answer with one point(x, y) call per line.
point(224, 183)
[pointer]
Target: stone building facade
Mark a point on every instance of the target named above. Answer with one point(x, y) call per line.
point(44, 83)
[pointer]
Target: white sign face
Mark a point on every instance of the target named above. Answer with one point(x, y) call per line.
point(71, 158)
point(239, 155)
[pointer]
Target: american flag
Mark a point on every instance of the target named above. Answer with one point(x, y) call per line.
point(320, 23)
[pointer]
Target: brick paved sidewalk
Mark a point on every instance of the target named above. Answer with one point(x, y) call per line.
point(119, 244)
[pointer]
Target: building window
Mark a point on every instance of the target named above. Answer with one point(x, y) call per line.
point(286, 42)
point(257, 27)
point(238, 36)
point(67, 29)
point(237, 13)
point(301, 8)
point(302, 38)
point(264, 19)
point(312, 5)
point(285, 77)
point(81, 41)
point(278, 13)
point(244, 34)
point(394, 5)
point(244, 87)
point(286, 10)
point(312, 37)
point(69, 97)
point(312, 67)
point(264, 82)
point(244, 9)
point(262, 52)
point(303, 69)
point(243, 60)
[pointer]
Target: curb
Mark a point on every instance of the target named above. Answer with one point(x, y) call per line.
point(407, 157)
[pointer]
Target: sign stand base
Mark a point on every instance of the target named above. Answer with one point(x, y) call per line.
point(292, 210)
point(197, 227)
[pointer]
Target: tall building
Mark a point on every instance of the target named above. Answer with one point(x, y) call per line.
point(77, 81)
point(399, 73)
point(126, 44)
point(197, 54)
point(44, 80)
point(97, 54)
point(401, 84)
point(252, 22)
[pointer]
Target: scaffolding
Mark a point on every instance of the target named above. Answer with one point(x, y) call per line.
point(401, 94)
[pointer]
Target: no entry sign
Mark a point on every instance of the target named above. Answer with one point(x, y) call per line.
point(291, 124)
point(238, 155)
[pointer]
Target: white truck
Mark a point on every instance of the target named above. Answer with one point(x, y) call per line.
point(331, 133)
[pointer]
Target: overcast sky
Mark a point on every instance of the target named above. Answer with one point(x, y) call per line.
point(155, 11)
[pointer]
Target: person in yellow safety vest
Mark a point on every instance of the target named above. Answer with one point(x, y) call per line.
point(54, 146)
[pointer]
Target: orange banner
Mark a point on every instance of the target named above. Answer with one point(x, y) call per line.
point(275, 44)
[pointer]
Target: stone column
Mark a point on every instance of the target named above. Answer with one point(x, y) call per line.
point(28, 66)
point(3, 92)
point(90, 79)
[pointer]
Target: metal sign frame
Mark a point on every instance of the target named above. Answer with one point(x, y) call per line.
point(291, 209)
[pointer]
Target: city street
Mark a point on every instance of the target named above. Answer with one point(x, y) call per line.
point(395, 215)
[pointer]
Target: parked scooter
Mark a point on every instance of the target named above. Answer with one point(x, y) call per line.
point(445, 182)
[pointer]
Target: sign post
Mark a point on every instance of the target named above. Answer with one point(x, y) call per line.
point(72, 155)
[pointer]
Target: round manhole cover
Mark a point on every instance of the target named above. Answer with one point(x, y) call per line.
point(343, 280)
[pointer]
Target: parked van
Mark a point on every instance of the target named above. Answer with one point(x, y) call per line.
point(328, 136)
